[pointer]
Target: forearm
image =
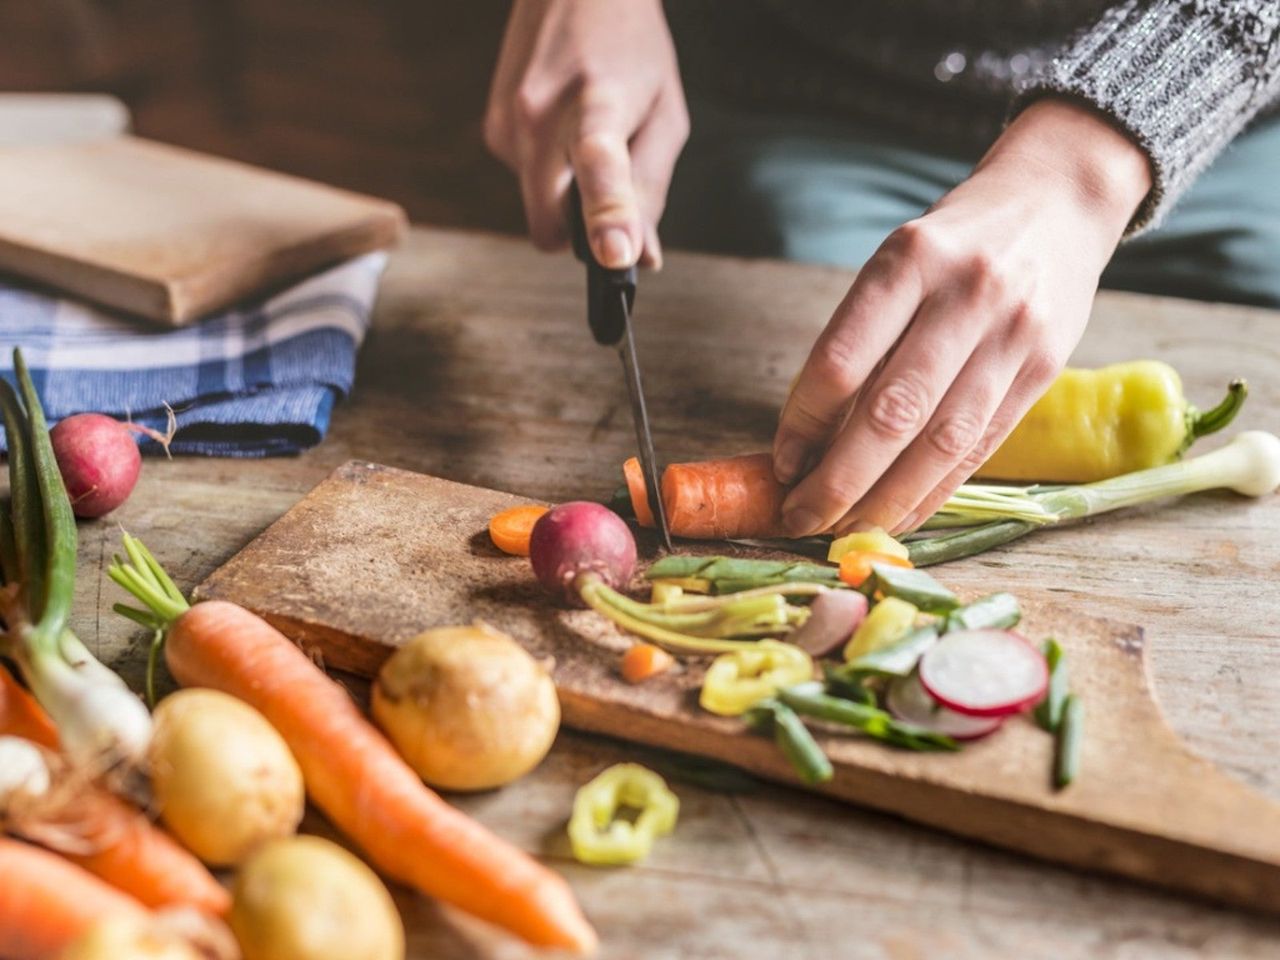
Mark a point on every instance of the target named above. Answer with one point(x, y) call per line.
point(1181, 77)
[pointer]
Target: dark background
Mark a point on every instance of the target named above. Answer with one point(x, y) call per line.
point(383, 96)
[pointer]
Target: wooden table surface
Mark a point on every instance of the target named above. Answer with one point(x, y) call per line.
point(480, 369)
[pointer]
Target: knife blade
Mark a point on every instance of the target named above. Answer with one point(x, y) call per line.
point(610, 298)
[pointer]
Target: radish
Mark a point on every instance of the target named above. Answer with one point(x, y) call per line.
point(580, 542)
point(908, 701)
point(984, 673)
point(833, 616)
point(99, 462)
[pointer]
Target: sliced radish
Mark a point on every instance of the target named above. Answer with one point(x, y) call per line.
point(833, 616)
point(984, 673)
point(907, 700)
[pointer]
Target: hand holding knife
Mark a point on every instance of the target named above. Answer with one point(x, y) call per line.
point(611, 295)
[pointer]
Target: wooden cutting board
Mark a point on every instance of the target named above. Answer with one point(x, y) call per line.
point(168, 234)
point(374, 555)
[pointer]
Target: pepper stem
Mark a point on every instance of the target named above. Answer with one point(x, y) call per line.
point(1211, 421)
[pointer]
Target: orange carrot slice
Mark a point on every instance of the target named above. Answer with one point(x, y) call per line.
point(644, 660)
point(511, 529)
point(855, 566)
point(636, 486)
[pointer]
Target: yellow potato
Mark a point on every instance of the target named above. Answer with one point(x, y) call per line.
point(467, 707)
point(131, 939)
point(224, 780)
point(305, 898)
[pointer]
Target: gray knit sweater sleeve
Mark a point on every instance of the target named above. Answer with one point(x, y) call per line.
point(1182, 77)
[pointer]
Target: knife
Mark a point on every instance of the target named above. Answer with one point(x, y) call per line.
point(611, 295)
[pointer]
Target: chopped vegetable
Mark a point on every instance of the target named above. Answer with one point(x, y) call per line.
point(306, 898)
point(511, 529)
point(1249, 465)
point(914, 586)
point(833, 617)
point(866, 541)
point(1094, 424)
point(732, 499)
point(810, 700)
point(888, 622)
point(643, 661)
point(664, 592)
point(908, 700)
point(736, 574)
point(793, 739)
point(467, 707)
point(354, 775)
point(100, 721)
point(895, 660)
point(99, 462)
point(578, 540)
point(1069, 741)
point(737, 681)
point(984, 673)
point(857, 566)
point(999, 610)
point(1048, 712)
point(224, 780)
point(46, 903)
point(599, 836)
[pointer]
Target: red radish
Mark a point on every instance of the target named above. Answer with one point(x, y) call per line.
point(907, 700)
point(99, 462)
point(833, 616)
point(580, 538)
point(984, 673)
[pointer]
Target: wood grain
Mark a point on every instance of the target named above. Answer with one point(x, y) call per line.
point(479, 369)
point(1155, 813)
point(169, 234)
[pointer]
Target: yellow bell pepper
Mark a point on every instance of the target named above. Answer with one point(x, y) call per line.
point(888, 621)
point(1095, 424)
point(595, 832)
point(866, 541)
point(735, 682)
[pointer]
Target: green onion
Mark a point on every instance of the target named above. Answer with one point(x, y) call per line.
point(793, 738)
point(896, 660)
point(1249, 465)
point(914, 586)
point(998, 610)
point(810, 700)
point(1069, 741)
point(1048, 712)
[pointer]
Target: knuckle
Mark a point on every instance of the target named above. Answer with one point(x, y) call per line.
point(839, 489)
point(898, 408)
point(985, 276)
point(1041, 366)
point(915, 240)
point(526, 108)
point(954, 436)
point(833, 365)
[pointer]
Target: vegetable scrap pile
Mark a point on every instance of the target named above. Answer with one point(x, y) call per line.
point(864, 643)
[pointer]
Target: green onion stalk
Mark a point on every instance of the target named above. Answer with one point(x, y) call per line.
point(991, 516)
point(101, 723)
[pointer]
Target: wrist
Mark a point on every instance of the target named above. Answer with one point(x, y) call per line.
point(1078, 148)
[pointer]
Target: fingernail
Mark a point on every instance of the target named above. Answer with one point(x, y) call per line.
point(857, 526)
point(615, 249)
point(786, 465)
point(801, 522)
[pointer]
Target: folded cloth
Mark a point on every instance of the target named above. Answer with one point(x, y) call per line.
point(256, 381)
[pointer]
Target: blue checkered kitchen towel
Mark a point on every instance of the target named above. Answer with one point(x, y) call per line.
point(252, 382)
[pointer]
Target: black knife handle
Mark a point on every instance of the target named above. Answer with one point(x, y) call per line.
point(605, 315)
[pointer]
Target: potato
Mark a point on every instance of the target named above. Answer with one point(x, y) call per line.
point(131, 939)
point(467, 707)
point(306, 898)
point(224, 780)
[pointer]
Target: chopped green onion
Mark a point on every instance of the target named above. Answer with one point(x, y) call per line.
point(1048, 712)
point(914, 586)
point(1069, 742)
point(810, 700)
point(793, 738)
point(997, 610)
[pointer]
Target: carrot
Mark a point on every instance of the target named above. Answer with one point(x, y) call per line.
point(46, 903)
point(22, 716)
point(644, 660)
point(356, 777)
point(105, 835)
point(511, 529)
point(737, 498)
point(855, 566)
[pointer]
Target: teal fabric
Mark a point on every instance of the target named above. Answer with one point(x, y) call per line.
point(811, 189)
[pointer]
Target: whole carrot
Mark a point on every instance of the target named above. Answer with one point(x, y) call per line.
point(46, 902)
point(351, 771)
point(104, 834)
